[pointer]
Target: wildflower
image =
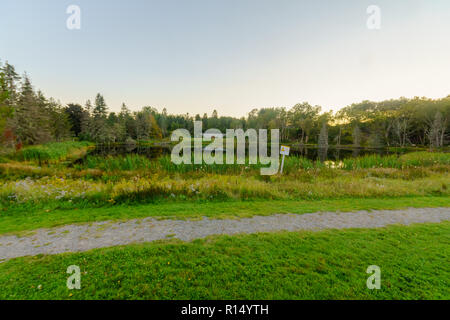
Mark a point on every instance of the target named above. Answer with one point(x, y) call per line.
point(61, 195)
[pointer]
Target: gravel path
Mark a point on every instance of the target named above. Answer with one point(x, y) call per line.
point(82, 237)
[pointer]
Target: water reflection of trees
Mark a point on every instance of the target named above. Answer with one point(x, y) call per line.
point(322, 153)
point(150, 152)
point(336, 153)
point(356, 152)
point(319, 153)
point(303, 150)
point(130, 147)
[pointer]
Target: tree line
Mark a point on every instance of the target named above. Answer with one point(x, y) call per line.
point(28, 117)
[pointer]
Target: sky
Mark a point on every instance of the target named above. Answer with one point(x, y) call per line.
point(194, 56)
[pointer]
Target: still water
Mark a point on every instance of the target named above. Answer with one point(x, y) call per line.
point(310, 152)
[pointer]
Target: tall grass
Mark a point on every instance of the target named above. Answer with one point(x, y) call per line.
point(311, 184)
point(134, 162)
point(425, 158)
point(51, 151)
point(167, 165)
point(294, 163)
point(131, 162)
point(117, 163)
point(413, 159)
point(371, 161)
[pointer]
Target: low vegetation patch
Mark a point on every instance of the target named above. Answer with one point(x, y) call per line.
point(52, 152)
point(409, 160)
point(314, 185)
point(129, 179)
point(132, 162)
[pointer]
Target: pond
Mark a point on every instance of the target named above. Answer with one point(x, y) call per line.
point(311, 152)
point(151, 152)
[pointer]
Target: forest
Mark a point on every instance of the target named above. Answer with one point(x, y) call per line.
point(28, 117)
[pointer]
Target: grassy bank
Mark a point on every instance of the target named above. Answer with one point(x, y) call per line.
point(25, 219)
point(409, 160)
point(298, 265)
point(52, 152)
point(132, 187)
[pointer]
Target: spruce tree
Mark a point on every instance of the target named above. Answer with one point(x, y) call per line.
point(11, 81)
point(31, 122)
point(6, 111)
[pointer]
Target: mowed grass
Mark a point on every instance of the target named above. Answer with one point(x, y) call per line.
point(296, 265)
point(26, 219)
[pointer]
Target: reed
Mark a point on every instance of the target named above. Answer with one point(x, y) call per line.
point(127, 162)
point(50, 152)
point(372, 161)
point(413, 159)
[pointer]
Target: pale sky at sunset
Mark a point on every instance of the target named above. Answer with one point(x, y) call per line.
point(231, 55)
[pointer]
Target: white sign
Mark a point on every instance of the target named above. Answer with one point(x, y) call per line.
point(285, 150)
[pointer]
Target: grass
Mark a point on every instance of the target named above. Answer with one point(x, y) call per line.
point(127, 162)
point(296, 265)
point(17, 220)
point(293, 164)
point(134, 188)
point(133, 162)
point(413, 159)
point(302, 265)
point(52, 152)
point(425, 158)
point(32, 197)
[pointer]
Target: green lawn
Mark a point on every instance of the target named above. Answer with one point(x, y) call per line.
point(16, 219)
point(414, 262)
